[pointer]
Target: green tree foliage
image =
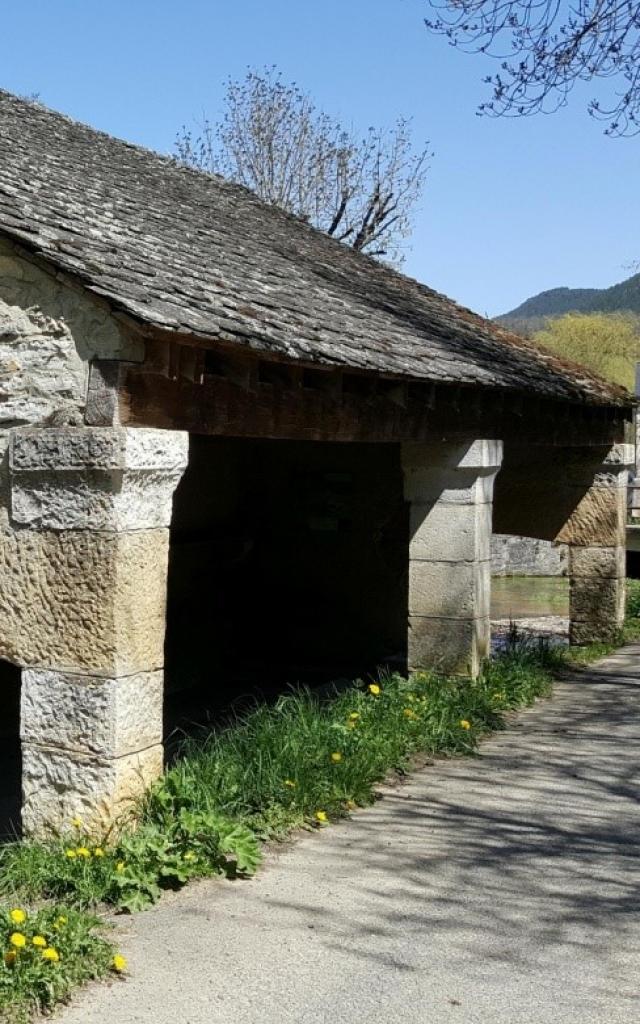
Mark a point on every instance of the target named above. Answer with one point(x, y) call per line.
point(607, 343)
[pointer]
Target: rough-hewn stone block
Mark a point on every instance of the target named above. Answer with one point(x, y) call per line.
point(450, 473)
point(92, 500)
point(95, 478)
point(592, 632)
point(89, 714)
point(479, 454)
point(449, 487)
point(58, 785)
point(598, 519)
point(76, 448)
point(596, 561)
point(597, 599)
point(450, 534)
point(451, 590)
point(89, 602)
point(455, 646)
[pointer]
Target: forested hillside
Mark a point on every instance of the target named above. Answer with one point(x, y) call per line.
point(531, 315)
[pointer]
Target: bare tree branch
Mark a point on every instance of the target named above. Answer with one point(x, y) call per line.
point(273, 140)
point(546, 47)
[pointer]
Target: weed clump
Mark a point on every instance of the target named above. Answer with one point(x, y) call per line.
point(277, 766)
point(45, 955)
point(304, 761)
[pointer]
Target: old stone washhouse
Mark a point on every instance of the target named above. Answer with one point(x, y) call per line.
point(220, 425)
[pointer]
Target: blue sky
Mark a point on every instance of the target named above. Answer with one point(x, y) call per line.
point(511, 207)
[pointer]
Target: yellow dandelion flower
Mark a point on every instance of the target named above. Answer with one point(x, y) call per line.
point(18, 916)
point(10, 957)
point(120, 865)
point(76, 822)
point(336, 757)
point(50, 954)
point(464, 724)
point(39, 940)
point(70, 854)
point(290, 783)
point(119, 963)
point(62, 920)
point(83, 852)
point(374, 689)
point(18, 940)
point(409, 713)
point(354, 716)
point(321, 816)
point(98, 852)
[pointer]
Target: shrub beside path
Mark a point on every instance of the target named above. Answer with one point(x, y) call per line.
point(495, 889)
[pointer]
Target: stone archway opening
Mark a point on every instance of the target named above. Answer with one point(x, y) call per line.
point(10, 751)
point(288, 564)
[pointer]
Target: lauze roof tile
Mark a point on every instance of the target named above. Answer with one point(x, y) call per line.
point(189, 252)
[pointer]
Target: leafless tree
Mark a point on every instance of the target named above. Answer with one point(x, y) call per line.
point(546, 47)
point(273, 140)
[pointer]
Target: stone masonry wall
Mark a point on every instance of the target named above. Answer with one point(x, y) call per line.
point(84, 515)
point(48, 333)
point(527, 556)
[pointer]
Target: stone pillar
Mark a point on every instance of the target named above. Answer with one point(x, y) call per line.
point(596, 534)
point(450, 488)
point(83, 585)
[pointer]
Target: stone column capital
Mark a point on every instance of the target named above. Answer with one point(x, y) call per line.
point(480, 454)
point(450, 472)
point(94, 478)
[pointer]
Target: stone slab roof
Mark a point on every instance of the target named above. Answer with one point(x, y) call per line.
point(190, 253)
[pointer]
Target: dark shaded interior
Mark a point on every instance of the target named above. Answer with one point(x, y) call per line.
point(288, 564)
point(10, 753)
point(633, 565)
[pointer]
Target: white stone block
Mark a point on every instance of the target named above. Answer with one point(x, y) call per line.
point(58, 785)
point(103, 448)
point(478, 454)
point(112, 500)
point(452, 473)
point(450, 646)
point(88, 714)
point(455, 590)
point(95, 478)
point(449, 486)
point(450, 533)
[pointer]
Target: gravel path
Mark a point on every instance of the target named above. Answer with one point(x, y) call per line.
point(497, 889)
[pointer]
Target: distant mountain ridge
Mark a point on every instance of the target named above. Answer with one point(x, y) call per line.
point(531, 314)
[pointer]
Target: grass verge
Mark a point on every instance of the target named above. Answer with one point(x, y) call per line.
point(45, 955)
point(302, 762)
